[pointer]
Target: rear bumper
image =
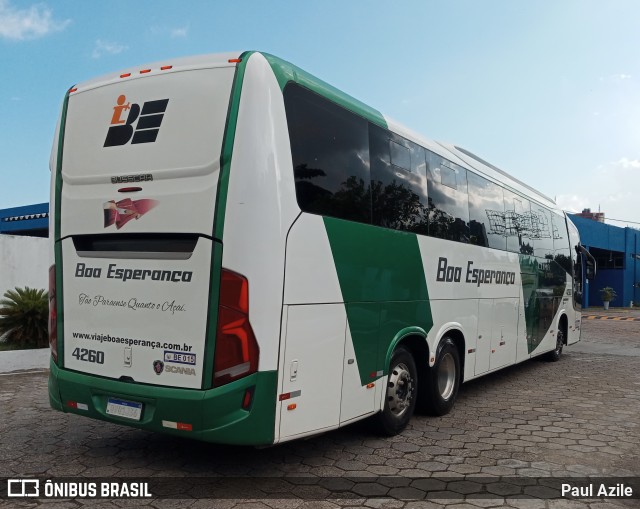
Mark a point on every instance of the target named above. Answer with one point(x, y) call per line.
point(216, 415)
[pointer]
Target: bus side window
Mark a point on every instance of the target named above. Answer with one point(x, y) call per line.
point(448, 199)
point(542, 231)
point(517, 212)
point(561, 252)
point(330, 153)
point(398, 189)
point(486, 213)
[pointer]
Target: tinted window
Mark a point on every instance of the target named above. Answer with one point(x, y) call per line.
point(541, 231)
point(448, 206)
point(398, 182)
point(486, 212)
point(448, 177)
point(561, 255)
point(400, 155)
point(330, 152)
point(517, 213)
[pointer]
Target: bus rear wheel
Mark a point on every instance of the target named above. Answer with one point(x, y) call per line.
point(443, 380)
point(554, 355)
point(400, 396)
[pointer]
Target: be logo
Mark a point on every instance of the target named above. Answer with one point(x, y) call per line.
point(146, 129)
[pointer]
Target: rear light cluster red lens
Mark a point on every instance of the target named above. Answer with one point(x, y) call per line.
point(237, 350)
point(53, 315)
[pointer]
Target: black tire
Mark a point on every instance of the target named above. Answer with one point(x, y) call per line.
point(554, 355)
point(439, 393)
point(400, 398)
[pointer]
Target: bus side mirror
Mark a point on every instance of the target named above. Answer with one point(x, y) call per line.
point(589, 262)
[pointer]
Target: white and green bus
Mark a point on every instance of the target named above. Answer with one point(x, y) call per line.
point(244, 254)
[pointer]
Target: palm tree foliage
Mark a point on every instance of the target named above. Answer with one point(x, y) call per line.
point(24, 317)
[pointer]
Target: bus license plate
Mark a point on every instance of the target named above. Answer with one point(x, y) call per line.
point(126, 409)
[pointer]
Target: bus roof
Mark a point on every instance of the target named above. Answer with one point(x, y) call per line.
point(168, 65)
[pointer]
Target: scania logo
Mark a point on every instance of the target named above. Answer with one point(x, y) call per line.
point(181, 370)
point(158, 366)
point(148, 122)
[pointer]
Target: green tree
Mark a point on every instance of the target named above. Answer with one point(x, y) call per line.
point(24, 315)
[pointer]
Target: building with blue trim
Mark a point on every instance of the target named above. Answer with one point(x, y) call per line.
point(32, 220)
point(617, 254)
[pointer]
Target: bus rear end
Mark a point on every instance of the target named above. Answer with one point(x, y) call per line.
point(146, 328)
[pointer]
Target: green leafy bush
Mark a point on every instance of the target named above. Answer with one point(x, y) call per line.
point(608, 294)
point(24, 318)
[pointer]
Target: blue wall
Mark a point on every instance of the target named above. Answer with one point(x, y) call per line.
point(612, 238)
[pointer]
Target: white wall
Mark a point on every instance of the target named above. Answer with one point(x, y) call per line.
point(24, 261)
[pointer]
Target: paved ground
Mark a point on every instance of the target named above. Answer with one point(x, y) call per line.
point(576, 417)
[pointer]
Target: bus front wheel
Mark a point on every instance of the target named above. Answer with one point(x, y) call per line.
point(400, 396)
point(443, 380)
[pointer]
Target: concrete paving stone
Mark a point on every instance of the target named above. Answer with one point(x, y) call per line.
point(406, 447)
point(403, 463)
point(581, 448)
point(383, 470)
point(423, 504)
point(370, 460)
point(371, 489)
point(389, 453)
point(316, 504)
point(493, 441)
point(351, 465)
point(584, 469)
point(527, 503)
point(464, 468)
point(484, 501)
point(449, 460)
point(569, 504)
point(432, 466)
point(278, 503)
point(327, 471)
point(414, 473)
point(532, 472)
point(384, 503)
point(480, 461)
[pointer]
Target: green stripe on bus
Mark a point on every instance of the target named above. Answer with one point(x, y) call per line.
point(218, 225)
point(56, 232)
point(227, 145)
point(286, 72)
point(383, 286)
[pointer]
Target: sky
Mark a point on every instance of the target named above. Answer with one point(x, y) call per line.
point(547, 90)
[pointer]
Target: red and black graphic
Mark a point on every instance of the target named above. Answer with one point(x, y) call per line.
point(120, 213)
point(147, 128)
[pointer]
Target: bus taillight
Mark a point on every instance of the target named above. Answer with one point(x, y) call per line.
point(53, 315)
point(237, 352)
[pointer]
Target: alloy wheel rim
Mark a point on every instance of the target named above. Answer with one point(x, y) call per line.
point(400, 390)
point(446, 376)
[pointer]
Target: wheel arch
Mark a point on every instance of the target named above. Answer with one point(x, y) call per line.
point(415, 339)
point(563, 325)
point(457, 336)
